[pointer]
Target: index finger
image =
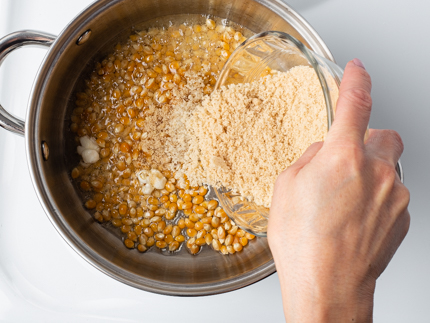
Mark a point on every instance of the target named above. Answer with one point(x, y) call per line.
point(353, 106)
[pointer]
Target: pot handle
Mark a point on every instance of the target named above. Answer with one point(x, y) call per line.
point(8, 44)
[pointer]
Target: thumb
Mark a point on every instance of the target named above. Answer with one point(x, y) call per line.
point(353, 106)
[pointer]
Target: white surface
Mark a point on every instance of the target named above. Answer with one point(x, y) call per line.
point(43, 280)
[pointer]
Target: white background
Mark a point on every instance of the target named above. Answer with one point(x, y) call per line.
point(43, 280)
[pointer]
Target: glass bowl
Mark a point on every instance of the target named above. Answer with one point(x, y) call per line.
point(257, 57)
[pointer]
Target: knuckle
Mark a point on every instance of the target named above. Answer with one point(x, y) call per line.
point(395, 138)
point(388, 142)
point(349, 158)
point(385, 177)
point(386, 172)
point(359, 97)
point(404, 196)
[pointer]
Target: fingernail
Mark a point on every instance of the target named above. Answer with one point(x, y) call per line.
point(359, 63)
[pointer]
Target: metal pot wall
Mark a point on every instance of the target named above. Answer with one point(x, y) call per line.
point(51, 151)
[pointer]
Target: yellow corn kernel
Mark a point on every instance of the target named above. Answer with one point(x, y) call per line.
point(181, 224)
point(194, 249)
point(194, 217)
point(206, 220)
point(160, 212)
point(191, 233)
point(129, 243)
point(176, 231)
point(225, 219)
point(143, 239)
point(187, 205)
point(223, 250)
point(75, 173)
point(180, 238)
point(208, 239)
point(215, 222)
point(249, 236)
point(212, 205)
point(157, 69)
point(227, 226)
point(198, 226)
point(154, 227)
point(181, 193)
point(198, 199)
point(149, 58)
point(221, 233)
point(98, 217)
point(233, 230)
point(127, 221)
point(141, 248)
point(243, 241)
point(125, 228)
point(228, 240)
point(161, 244)
point(201, 233)
point(173, 208)
point(150, 84)
point(216, 245)
point(155, 220)
point(151, 242)
point(240, 233)
point(148, 232)
point(173, 246)
point(174, 67)
point(164, 199)
point(117, 222)
point(173, 198)
point(189, 224)
point(122, 209)
point(159, 236)
point(200, 209)
point(90, 204)
point(187, 198)
point(200, 241)
point(210, 24)
point(138, 229)
point(132, 236)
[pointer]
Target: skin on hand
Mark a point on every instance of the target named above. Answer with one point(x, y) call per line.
point(339, 214)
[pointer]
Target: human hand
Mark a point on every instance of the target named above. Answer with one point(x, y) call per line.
point(339, 214)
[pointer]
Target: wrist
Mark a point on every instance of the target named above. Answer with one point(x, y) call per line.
point(309, 308)
point(322, 296)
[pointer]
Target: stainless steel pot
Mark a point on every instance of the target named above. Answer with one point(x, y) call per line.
point(51, 153)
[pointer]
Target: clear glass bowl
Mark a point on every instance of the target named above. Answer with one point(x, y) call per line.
point(255, 58)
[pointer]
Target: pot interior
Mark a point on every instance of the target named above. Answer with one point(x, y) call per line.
point(66, 66)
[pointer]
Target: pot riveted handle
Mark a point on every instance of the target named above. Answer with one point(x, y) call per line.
point(8, 44)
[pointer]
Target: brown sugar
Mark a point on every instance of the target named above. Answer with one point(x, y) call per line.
point(166, 138)
point(240, 137)
point(243, 136)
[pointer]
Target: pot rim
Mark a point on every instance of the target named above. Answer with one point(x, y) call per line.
point(35, 160)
